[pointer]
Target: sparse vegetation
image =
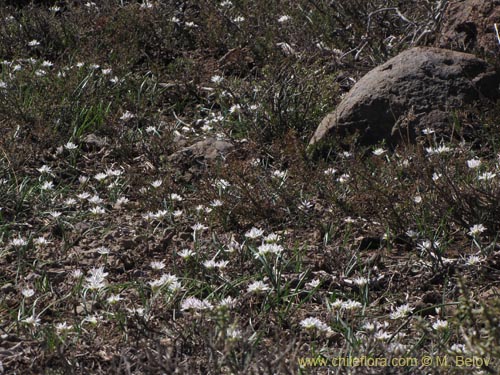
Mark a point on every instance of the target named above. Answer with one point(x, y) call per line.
point(116, 259)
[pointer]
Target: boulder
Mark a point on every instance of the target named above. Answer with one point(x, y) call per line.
point(469, 26)
point(193, 159)
point(418, 88)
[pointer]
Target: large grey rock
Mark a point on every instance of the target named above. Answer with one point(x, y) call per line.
point(469, 26)
point(418, 88)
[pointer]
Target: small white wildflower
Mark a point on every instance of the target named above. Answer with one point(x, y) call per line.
point(254, 233)
point(271, 238)
point(216, 203)
point(193, 303)
point(113, 299)
point(281, 175)
point(440, 325)
point(28, 292)
point(313, 284)
point(186, 253)
point(47, 185)
point(97, 210)
point(486, 176)
point(226, 4)
point(360, 281)
point(83, 195)
point(106, 71)
point(40, 241)
point(82, 180)
point(47, 64)
point(315, 324)
point(379, 151)
point(284, 18)
point(401, 311)
point(76, 274)
point(45, 169)
point(33, 43)
point(177, 213)
point(473, 163)
point(258, 287)
point(228, 302)
point(121, 201)
point(351, 305)
point(198, 227)
point(191, 24)
point(268, 248)
point(238, 19)
point(96, 279)
point(95, 199)
point(417, 199)
point(32, 321)
point(427, 131)
point(103, 250)
point(18, 242)
point(157, 265)
point(436, 176)
point(210, 264)
point(344, 178)
point(156, 183)
point(55, 214)
point(473, 260)
point(330, 171)
point(70, 146)
point(233, 334)
point(63, 327)
point(382, 335)
point(349, 220)
point(151, 129)
point(217, 79)
point(101, 176)
point(127, 116)
point(305, 205)
point(476, 229)
point(176, 197)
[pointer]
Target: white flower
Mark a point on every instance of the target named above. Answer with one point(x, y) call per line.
point(486, 176)
point(228, 303)
point(473, 260)
point(360, 281)
point(186, 253)
point(476, 229)
point(313, 284)
point(351, 305)
point(315, 324)
point(233, 334)
point(63, 327)
point(190, 24)
point(279, 174)
point(96, 279)
point(83, 195)
point(113, 299)
point(226, 4)
point(55, 214)
point(428, 131)
point(121, 201)
point(70, 146)
point(417, 199)
point(45, 169)
point(32, 321)
point(222, 184)
point(210, 264)
point(254, 233)
point(198, 227)
point(343, 178)
point(157, 265)
point(330, 171)
point(76, 274)
point(193, 303)
point(176, 197)
point(382, 335)
point(267, 248)
point(436, 176)
point(41, 241)
point(97, 210)
point(101, 176)
point(440, 325)
point(441, 149)
point(127, 116)
point(156, 183)
point(379, 151)
point(28, 292)
point(95, 199)
point(284, 18)
point(238, 19)
point(401, 311)
point(473, 163)
point(271, 238)
point(177, 213)
point(217, 79)
point(70, 202)
point(106, 71)
point(47, 185)
point(18, 242)
point(33, 43)
point(258, 287)
point(103, 250)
